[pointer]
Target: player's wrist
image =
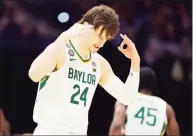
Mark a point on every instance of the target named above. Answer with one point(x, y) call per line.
point(133, 72)
point(135, 65)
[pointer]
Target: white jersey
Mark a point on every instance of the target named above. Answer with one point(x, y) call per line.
point(147, 116)
point(64, 97)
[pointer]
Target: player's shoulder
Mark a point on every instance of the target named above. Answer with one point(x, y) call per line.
point(100, 56)
point(151, 97)
point(96, 56)
point(159, 101)
point(169, 110)
point(102, 60)
point(105, 67)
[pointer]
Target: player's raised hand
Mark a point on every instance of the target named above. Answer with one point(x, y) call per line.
point(130, 51)
point(78, 30)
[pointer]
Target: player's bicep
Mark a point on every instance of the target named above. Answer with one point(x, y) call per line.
point(106, 72)
point(172, 127)
point(111, 83)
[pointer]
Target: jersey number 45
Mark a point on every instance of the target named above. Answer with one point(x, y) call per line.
point(147, 114)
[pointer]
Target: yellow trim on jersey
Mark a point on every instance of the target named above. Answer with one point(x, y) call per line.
point(163, 129)
point(123, 131)
point(124, 128)
point(84, 61)
point(163, 132)
point(42, 80)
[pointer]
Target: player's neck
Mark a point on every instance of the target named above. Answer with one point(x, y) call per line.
point(145, 92)
point(81, 48)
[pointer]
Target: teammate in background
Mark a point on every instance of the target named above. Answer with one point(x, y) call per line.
point(69, 70)
point(149, 115)
point(4, 124)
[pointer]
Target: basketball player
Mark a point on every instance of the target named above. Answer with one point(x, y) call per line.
point(4, 124)
point(149, 115)
point(69, 70)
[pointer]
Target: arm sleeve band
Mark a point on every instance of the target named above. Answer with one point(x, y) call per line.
point(124, 93)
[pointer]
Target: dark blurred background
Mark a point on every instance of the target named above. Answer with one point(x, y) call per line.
point(160, 29)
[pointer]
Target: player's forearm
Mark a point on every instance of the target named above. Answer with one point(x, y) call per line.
point(131, 85)
point(47, 60)
point(115, 130)
point(118, 121)
point(124, 93)
point(135, 64)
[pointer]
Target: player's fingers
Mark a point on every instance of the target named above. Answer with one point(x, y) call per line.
point(119, 48)
point(83, 26)
point(125, 36)
point(122, 50)
point(88, 30)
point(129, 43)
point(122, 36)
point(86, 23)
point(121, 45)
point(87, 26)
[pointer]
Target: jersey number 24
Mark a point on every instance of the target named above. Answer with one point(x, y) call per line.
point(76, 94)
